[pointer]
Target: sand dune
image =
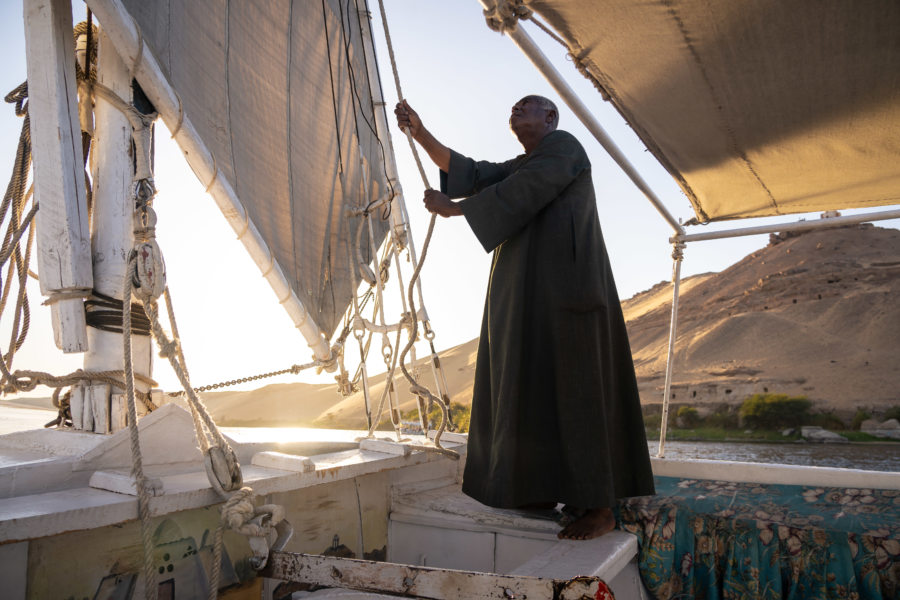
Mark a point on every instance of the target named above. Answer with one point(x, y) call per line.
point(814, 314)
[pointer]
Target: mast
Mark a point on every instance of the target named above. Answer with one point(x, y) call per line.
point(112, 239)
point(63, 241)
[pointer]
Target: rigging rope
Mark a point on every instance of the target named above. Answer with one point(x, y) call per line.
point(13, 205)
point(419, 390)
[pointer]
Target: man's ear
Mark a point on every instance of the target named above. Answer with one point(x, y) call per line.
point(552, 117)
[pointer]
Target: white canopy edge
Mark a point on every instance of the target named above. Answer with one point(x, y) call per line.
point(121, 28)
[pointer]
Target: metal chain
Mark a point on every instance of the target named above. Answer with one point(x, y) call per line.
point(292, 369)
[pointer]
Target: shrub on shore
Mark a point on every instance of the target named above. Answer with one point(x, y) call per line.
point(773, 411)
point(688, 417)
point(860, 416)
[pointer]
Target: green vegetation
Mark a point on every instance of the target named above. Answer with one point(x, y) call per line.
point(892, 413)
point(760, 418)
point(688, 417)
point(858, 419)
point(772, 411)
point(719, 434)
point(460, 414)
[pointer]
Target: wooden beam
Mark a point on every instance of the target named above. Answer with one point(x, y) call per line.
point(63, 241)
point(410, 581)
point(112, 231)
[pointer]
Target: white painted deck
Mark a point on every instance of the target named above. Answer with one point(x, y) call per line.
point(442, 527)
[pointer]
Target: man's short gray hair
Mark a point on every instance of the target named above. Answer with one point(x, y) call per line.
point(549, 105)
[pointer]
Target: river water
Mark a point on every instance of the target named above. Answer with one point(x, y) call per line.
point(869, 456)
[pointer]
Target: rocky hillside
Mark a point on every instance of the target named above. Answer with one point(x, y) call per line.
point(813, 314)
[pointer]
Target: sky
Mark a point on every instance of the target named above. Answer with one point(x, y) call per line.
point(462, 78)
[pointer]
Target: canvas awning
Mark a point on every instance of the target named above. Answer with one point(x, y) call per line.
point(756, 108)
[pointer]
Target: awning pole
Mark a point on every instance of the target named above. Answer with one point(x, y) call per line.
point(122, 31)
point(677, 256)
point(795, 226)
point(543, 64)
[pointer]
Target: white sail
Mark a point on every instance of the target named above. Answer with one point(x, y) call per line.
point(279, 93)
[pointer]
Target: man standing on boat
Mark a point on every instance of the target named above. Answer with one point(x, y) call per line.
point(555, 412)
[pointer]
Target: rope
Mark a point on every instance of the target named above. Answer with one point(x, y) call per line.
point(505, 14)
point(105, 313)
point(13, 204)
point(137, 470)
point(419, 390)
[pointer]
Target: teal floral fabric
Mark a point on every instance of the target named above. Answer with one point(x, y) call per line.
point(722, 540)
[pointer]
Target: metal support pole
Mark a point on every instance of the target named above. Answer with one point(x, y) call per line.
point(677, 256)
point(795, 226)
point(543, 64)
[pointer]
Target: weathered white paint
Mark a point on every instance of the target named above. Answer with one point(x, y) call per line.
point(76, 406)
point(123, 483)
point(64, 261)
point(112, 237)
point(99, 398)
point(601, 557)
point(421, 582)
point(283, 462)
point(121, 29)
point(386, 446)
point(118, 412)
point(34, 512)
point(167, 438)
point(450, 437)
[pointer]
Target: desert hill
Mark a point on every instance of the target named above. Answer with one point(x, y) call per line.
point(813, 314)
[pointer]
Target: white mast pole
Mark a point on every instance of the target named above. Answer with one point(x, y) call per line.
point(112, 235)
point(677, 257)
point(122, 31)
point(63, 241)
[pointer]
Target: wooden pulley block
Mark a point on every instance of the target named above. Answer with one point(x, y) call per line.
point(149, 271)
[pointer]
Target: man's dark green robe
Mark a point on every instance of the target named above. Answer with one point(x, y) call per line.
point(555, 412)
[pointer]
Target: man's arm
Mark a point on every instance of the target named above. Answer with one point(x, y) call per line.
point(408, 120)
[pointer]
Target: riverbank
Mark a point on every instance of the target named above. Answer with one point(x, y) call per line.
point(720, 434)
point(883, 456)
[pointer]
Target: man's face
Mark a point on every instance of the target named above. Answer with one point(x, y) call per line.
point(528, 113)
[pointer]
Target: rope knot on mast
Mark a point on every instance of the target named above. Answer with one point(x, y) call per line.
point(505, 14)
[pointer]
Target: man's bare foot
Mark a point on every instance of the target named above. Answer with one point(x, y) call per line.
point(593, 523)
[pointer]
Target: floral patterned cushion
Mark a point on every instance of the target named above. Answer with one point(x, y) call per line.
point(722, 540)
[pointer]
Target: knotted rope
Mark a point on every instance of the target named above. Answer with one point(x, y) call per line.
point(504, 16)
point(421, 391)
